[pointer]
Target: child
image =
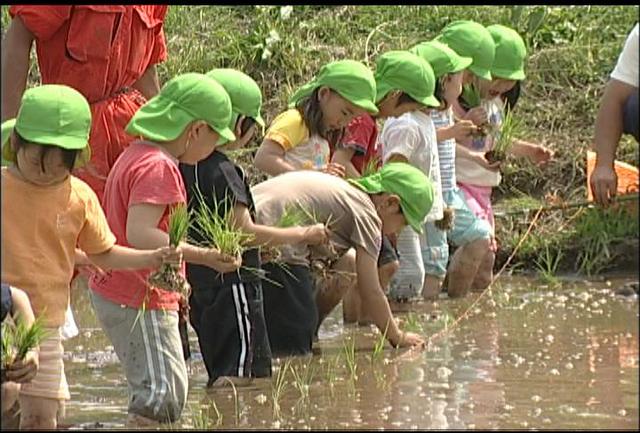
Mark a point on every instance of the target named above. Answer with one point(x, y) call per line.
point(301, 137)
point(358, 212)
point(15, 303)
point(411, 138)
point(182, 123)
point(49, 137)
point(404, 84)
point(475, 177)
point(226, 309)
point(469, 233)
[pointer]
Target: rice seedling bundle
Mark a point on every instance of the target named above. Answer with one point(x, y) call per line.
point(18, 339)
point(510, 128)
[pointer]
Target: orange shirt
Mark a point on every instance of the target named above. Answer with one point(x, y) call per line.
point(41, 227)
point(98, 50)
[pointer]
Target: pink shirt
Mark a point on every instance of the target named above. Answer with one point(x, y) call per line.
point(142, 174)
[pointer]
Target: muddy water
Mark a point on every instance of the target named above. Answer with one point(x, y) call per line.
point(527, 356)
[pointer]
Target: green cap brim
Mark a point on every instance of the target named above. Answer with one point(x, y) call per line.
point(363, 103)
point(480, 72)
point(508, 75)
point(430, 101)
point(260, 120)
point(463, 64)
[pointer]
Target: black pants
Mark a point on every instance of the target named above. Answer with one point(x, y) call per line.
point(230, 325)
point(289, 309)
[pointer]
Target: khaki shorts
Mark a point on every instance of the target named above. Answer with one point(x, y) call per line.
point(50, 381)
point(149, 347)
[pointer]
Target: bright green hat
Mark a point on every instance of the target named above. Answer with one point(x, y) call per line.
point(409, 183)
point(246, 97)
point(470, 39)
point(442, 59)
point(402, 70)
point(353, 80)
point(51, 115)
point(511, 53)
point(182, 100)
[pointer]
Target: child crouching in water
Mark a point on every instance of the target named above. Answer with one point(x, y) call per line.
point(49, 139)
point(301, 137)
point(226, 309)
point(182, 123)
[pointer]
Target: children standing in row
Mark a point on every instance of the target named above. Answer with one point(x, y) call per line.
point(48, 141)
point(226, 308)
point(183, 123)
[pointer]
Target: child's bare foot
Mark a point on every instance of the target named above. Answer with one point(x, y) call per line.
point(139, 421)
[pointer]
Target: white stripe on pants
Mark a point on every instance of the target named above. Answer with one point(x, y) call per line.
point(407, 282)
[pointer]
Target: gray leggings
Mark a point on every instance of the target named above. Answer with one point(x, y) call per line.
point(151, 355)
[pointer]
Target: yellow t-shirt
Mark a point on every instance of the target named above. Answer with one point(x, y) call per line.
point(301, 150)
point(41, 227)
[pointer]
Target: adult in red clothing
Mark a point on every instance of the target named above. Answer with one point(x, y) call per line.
point(106, 52)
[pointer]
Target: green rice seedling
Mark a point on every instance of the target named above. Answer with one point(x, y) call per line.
point(412, 322)
point(202, 417)
point(303, 377)
point(292, 216)
point(471, 96)
point(547, 264)
point(378, 348)
point(510, 129)
point(236, 404)
point(168, 276)
point(18, 339)
point(331, 371)
point(349, 350)
point(278, 387)
point(218, 231)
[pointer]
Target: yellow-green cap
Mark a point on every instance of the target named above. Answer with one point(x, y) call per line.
point(407, 182)
point(442, 59)
point(352, 80)
point(402, 70)
point(245, 94)
point(182, 100)
point(471, 39)
point(511, 53)
point(51, 115)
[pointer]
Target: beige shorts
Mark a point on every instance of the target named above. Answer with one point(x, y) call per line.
point(50, 381)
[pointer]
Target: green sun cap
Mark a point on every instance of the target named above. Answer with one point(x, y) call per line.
point(402, 70)
point(352, 80)
point(51, 115)
point(245, 94)
point(442, 59)
point(511, 53)
point(471, 39)
point(407, 182)
point(182, 100)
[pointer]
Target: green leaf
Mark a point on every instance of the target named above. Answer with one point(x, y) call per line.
point(535, 21)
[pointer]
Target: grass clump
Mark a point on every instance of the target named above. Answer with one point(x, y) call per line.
point(510, 129)
point(168, 276)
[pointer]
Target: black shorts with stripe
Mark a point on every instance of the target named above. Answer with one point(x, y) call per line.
point(229, 321)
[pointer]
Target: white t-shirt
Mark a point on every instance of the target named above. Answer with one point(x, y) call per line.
point(413, 136)
point(626, 69)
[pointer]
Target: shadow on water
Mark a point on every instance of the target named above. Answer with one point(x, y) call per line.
point(526, 357)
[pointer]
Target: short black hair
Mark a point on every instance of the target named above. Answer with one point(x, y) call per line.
point(69, 156)
point(405, 98)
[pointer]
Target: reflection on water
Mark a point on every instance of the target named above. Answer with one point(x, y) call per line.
point(526, 357)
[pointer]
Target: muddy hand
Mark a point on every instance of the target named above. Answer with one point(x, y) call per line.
point(317, 234)
point(168, 256)
point(225, 263)
point(604, 184)
point(463, 129)
point(479, 158)
point(334, 169)
point(24, 370)
point(477, 115)
point(410, 339)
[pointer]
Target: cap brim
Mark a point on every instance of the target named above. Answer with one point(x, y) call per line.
point(7, 129)
point(416, 226)
point(430, 101)
point(463, 64)
point(482, 73)
point(508, 75)
point(225, 133)
point(259, 120)
point(367, 105)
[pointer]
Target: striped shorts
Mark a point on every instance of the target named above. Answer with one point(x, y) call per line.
point(50, 381)
point(149, 348)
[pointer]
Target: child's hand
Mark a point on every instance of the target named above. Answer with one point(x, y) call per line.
point(463, 129)
point(478, 115)
point(24, 370)
point(166, 256)
point(334, 169)
point(446, 223)
point(479, 158)
point(316, 234)
point(223, 263)
point(540, 155)
point(409, 339)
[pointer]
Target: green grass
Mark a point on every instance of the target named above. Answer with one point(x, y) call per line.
point(18, 339)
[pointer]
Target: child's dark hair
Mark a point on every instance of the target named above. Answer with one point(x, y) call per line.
point(405, 98)
point(510, 97)
point(69, 156)
point(438, 92)
point(311, 113)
